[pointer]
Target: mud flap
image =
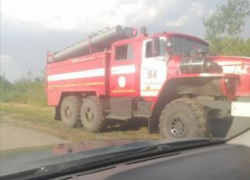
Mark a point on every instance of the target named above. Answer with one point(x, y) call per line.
point(153, 126)
point(57, 113)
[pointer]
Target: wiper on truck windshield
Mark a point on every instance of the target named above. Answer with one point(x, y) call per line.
point(85, 164)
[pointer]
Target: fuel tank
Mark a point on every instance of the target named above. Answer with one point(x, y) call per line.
point(197, 65)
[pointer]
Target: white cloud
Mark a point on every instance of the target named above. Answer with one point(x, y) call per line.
point(81, 14)
point(5, 59)
point(211, 12)
point(196, 11)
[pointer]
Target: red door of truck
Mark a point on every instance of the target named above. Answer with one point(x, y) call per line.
point(123, 71)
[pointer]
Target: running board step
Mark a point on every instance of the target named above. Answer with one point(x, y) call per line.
point(117, 118)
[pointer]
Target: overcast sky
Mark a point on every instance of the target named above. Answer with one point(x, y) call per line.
point(31, 27)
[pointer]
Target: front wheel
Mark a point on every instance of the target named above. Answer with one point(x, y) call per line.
point(183, 118)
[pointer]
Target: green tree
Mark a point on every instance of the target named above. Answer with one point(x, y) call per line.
point(5, 84)
point(23, 90)
point(222, 27)
point(5, 87)
point(235, 46)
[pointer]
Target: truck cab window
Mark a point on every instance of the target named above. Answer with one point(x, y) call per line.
point(149, 46)
point(124, 52)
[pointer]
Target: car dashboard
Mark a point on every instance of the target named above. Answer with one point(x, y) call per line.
point(223, 161)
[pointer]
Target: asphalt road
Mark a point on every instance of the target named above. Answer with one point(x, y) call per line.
point(14, 137)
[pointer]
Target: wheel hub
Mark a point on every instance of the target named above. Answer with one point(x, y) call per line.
point(89, 114)
point(67, 112)
point(178, 126)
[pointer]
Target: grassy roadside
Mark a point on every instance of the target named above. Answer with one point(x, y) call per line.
point(42, 119)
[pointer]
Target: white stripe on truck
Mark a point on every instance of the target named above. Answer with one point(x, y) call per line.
point(128, 69)
point(77, 75)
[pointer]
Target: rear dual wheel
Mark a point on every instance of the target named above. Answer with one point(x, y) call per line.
point(70, 111)
point(91, 114)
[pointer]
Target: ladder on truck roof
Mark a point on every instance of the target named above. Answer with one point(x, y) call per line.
point(85, 39)
point(99, 40)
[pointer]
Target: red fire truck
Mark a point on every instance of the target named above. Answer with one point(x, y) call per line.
point(168, 78)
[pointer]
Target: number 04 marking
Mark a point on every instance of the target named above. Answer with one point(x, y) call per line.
point(152, 74)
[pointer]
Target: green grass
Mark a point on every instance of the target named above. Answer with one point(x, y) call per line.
point(23, 103)
point(42, 119)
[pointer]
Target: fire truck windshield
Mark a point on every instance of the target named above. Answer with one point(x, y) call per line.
point(183, 46)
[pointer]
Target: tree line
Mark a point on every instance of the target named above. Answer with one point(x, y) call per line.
point(224, 26)
point(24, 90)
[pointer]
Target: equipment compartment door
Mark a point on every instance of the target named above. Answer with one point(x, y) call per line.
point(123, 70)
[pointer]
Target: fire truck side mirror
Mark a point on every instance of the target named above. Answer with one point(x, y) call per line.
point(156, 46)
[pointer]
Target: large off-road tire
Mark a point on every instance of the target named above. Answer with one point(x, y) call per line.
point(183, 118)
point(70, 111)
point(92, 115)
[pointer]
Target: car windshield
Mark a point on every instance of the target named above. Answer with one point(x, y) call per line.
point(81, 79)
